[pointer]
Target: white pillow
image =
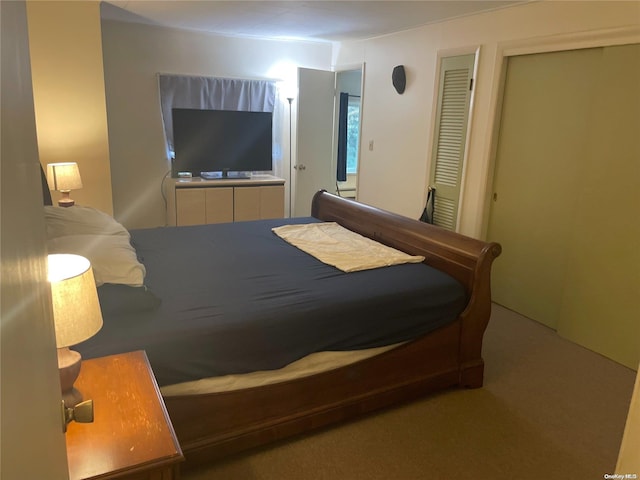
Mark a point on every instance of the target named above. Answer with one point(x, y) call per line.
point(79, 220)
point(112, 257)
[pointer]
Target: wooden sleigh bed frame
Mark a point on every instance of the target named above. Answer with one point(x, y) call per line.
point(215, 425)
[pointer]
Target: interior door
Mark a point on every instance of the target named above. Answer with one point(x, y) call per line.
point(33, 444)
point(312, 164)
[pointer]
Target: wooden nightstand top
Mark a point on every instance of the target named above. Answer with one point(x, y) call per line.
point(131, 432)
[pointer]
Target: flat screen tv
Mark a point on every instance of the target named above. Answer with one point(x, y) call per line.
point(221, 143)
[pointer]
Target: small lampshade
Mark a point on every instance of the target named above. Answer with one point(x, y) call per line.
point(76, 309)
point(63, 176)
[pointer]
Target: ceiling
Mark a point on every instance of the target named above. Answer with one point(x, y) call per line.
point(301, 20)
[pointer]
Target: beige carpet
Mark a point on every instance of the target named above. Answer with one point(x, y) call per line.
point(549, 410)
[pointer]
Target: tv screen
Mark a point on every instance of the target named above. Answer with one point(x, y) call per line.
point(221, 141)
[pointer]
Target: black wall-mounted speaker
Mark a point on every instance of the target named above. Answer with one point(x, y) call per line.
point(399, 78)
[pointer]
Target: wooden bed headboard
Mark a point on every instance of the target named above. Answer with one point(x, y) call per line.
point(452, 252)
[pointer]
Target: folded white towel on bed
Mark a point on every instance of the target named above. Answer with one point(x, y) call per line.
point(335, 245)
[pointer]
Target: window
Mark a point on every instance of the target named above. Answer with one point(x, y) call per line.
point(348, 136)
point(353, 134)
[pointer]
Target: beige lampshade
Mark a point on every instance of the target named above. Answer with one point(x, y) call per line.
point(76, 309)
point(63, 176)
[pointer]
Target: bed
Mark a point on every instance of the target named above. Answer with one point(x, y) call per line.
point(237, 305)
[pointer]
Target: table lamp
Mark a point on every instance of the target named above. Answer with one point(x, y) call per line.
point(76, 313)
point(64, 177)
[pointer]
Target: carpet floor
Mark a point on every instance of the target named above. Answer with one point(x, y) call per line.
point(549, 409)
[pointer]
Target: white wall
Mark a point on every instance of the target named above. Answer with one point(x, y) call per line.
point(394, 175)
point(133, 56)
point(65, 48)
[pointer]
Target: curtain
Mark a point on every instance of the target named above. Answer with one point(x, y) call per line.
point(211, 93)
point(341, 172)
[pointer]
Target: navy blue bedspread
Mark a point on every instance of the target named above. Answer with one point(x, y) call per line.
point(235, 298)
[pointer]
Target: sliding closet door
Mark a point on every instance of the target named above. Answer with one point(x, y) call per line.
point(541, 145)
point(566, 201)
point(601, 302)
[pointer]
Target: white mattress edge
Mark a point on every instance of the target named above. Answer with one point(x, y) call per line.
point(310, 365)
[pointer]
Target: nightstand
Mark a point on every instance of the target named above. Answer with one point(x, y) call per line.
point(131, 437)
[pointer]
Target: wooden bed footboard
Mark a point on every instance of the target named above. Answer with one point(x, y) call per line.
point(212, 426)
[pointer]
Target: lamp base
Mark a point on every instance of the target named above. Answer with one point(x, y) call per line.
point(66, 200)
point(69, 362)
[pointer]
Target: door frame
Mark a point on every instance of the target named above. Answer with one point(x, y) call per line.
point(336, 100)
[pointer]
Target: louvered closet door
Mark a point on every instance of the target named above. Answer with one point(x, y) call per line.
point(452, 116)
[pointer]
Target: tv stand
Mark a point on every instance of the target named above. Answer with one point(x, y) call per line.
point(195, 201)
